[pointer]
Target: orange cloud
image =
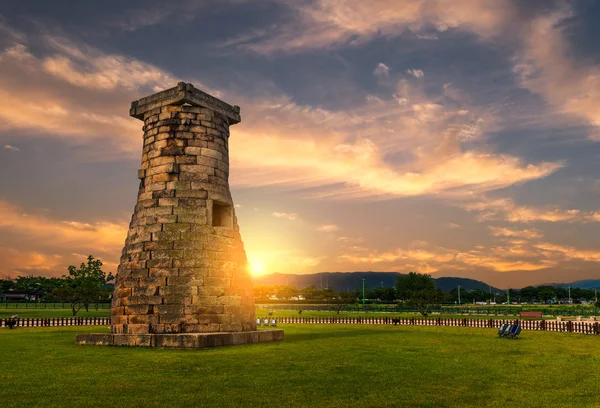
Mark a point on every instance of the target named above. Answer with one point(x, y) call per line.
point(507, 209)
point(507, 232)
point(102, 239)
point(569, 252)
point(306, 147)
point(15, 263)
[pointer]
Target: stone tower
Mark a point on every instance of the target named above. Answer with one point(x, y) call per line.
point(183, 268)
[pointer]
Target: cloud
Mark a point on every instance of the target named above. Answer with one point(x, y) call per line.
point(432, 36)
point(417, 73)
point(505, 208)
point(568, 252)
point(50, 96)
point(328, 228)
point(11, 148)
point(507, 232)
point(546, 67)
point(502, 264)
point(277, 143)
point(332, 23)
point(452, 225)
point(16, 262)
point(510, 255)
point(348, 158)
point(90, 68)
point(9, 36)
point(424, 257)
point(381, 70)
point(103, 239)
point(287, 216)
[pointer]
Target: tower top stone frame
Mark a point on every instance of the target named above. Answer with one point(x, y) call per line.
point(183, 278)
point(181, 94)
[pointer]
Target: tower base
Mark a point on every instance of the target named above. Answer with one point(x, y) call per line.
point(180, 341)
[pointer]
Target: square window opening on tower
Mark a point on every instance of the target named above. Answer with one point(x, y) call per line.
point(222, 215)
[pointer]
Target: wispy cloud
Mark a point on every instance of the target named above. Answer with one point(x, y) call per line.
point(507, 232)
point(417, 73)
point(546, 66)
point(330, 23)
point(287, 216)
point(328, 228)
point(11, 148)
point(381, 70)
point(505, 208)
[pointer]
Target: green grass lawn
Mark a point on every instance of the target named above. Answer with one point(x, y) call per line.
point(315, 366)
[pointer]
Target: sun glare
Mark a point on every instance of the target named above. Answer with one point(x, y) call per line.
point(257, 268)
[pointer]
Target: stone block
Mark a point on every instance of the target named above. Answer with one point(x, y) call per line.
point(169, 309)
point(167, 193)
point(179, 290)
point(135, 329)
point(192, 193)
point(180, 226)
point(160, 263)
point(143, 319)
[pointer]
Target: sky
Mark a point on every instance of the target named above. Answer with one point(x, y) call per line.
point(449, 137)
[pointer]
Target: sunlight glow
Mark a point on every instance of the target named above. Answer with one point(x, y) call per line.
point(257, 268)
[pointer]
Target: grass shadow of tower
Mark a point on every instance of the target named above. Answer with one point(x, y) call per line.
point(183, 278)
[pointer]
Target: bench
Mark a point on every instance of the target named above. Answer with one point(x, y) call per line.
point(531, 314)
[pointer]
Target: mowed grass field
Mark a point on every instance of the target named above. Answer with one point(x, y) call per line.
point(315, 366)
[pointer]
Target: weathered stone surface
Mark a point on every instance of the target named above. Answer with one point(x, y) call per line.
point(181, 340)
point(184, 268)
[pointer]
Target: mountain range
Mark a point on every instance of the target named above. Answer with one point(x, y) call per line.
point(348, 281)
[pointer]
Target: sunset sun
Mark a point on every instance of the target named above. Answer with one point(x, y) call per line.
point(257, 268)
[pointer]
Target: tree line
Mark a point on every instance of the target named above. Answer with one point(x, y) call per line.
point(88, 284)
point(80, 288)
point(418, 291)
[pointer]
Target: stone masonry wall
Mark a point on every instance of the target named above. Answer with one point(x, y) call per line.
point(178, 273)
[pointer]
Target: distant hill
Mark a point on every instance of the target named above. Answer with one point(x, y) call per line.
point(583, 284)
point(446, 284)
point(339, 281)
point(348, 281)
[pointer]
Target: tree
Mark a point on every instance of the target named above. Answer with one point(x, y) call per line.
point(423, 299)
point(84, 285)
point(32, 286)
point(407, 285)
point(344, 298)
point(383, 294)
point(597, 304)
point(418, 290)
point(6, 285)
point(529, 293)
point(310, 292)
point(546, 293)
